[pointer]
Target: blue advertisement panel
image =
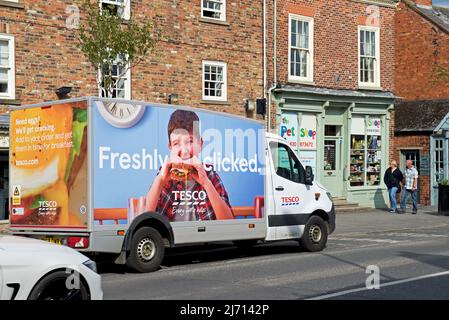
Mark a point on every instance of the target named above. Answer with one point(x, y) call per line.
point(182, 163)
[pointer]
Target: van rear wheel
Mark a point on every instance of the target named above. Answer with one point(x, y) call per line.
point(315, 234)
point(147, 250)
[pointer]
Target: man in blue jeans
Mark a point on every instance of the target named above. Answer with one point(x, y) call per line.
point(410, 187)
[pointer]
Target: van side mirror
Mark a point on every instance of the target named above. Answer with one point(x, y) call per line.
point(309, 176)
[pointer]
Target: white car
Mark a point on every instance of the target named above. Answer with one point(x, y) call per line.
point(38, 270)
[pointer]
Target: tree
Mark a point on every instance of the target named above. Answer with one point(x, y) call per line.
point(111, 44)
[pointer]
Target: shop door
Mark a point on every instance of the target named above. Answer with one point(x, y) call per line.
point(332, 178)
point(414, 156)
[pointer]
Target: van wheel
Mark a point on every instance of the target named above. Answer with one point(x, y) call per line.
point(315, 234)
point(147, 250)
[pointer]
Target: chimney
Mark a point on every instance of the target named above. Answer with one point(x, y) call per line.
point(427, 3)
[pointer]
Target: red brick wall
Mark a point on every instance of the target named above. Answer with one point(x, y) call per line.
point(420, 48)
point(47, 57)
point(335, 41)
point(419, 142)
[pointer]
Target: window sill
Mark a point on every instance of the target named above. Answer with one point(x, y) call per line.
point(10, 102)
point(223, 103)
point(387, 4)
point(373, 88)
point(214, 21)
point(305, 82)
point(12, 4)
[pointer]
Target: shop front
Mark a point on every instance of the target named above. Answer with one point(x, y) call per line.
point(422, 136)
point(439, 151)
point(342, 135)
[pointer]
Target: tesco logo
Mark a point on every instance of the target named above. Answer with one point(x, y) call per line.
point(48, 204)
point(290, 201)
point(189, 195)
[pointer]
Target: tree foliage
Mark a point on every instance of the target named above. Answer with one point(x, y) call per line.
point(106, 39)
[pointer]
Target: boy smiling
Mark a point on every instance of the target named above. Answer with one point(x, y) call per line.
point(201, 195)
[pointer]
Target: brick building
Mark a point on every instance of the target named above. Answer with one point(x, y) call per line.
point(331, 79)
point(211, 54)
point(421, 132)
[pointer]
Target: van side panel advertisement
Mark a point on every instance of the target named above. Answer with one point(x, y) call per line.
point(48, 166)
point(181, 163)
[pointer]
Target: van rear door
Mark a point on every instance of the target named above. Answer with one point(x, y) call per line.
point(293, 200)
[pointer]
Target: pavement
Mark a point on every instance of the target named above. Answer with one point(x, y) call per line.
point(411, 253)
point(4, 227)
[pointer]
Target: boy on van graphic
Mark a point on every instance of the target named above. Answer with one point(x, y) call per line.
point(183, 189)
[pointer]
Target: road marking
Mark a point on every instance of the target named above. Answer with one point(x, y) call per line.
point(388, 284)
point(416, 235)
point(368, 240)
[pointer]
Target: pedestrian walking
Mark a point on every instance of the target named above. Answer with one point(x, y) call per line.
point(410, 186)
point(393, 178)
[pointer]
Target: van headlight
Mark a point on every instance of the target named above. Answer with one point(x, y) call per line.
point(329, 196)
point(91, 265)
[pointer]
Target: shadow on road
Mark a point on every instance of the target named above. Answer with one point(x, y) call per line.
point(435, 260)
point(190, 255)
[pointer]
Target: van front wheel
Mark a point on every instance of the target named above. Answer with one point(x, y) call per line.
point(147, 250)
point(315, 235)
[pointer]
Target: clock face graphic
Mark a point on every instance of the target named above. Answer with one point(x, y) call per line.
point(121, 115)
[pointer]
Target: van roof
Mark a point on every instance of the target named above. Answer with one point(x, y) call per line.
point(274, 136)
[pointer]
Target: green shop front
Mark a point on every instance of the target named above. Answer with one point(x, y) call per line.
point(343, 135)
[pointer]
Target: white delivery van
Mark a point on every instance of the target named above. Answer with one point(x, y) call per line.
point(133, 178)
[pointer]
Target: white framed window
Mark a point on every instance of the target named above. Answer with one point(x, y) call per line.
point(438, 160)
point(214, 81)
point(300, 58)
point(7, 67)
point(120, 7)
point(369, 56)
point(213, 9)
point(122, 82)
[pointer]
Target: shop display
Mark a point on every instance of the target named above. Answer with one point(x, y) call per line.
point(357, 159)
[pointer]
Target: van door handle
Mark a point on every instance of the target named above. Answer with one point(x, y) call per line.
point(280, 188)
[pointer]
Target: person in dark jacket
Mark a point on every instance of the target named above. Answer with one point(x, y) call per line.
point(393, 178)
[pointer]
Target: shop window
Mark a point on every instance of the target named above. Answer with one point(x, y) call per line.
point(365, 152)
point(357, 172)
point(373, 160)
point(329, 155)
point(331, 131)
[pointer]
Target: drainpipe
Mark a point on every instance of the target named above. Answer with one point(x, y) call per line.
point(264, 47)
point(274, 63)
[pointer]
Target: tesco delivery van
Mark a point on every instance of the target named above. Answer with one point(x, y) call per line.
point(133, 178)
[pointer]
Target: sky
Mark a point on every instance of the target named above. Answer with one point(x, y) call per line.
point(441, 3)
